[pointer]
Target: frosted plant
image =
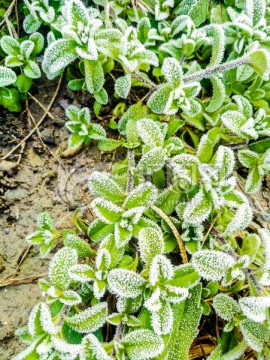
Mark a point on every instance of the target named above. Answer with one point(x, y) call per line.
point(40, 11)
point(83, 130)
point(7, 76)
point(258, 165)
point(23, 55)
point(46, 235)
point(174, 93)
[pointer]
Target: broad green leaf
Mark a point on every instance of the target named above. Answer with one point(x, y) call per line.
point(162, 319)
point(125, 283)
point(254, 180)
point(82, 273)
point(58, 55)
point(199, 11)
point(70, 298)
point(102, 185)
point(255, 334)
point(89, 320)
point(109, 144)
point(218, 95)
point(122, 86)
point(152, 161)
point(172, 71)
point(198, 209)
point(218, 44)
point(106, 210)
point(24, 83)
point(60, 265)
point(92, 349)
point(75, 141)
point(255, 307)
point(7, 76)
point(75, 242)
point(161, 100)
point(142, 344)
point(143, 195)
point(248, 158)
point(225, 306)
point(260, 61)
point(77, 12)
point(10, 46)
point(212, 264)
point(150, 132)
point(94, 76)
point(241, 219)
point(151, 243)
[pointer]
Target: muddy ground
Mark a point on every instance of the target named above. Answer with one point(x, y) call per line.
point(43, 180)
point(41, 177)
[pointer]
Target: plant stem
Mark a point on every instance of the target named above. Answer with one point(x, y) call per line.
point(131, 165)
point(175, 232)
point(206, 73)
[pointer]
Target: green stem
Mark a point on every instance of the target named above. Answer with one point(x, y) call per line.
point(131, 165)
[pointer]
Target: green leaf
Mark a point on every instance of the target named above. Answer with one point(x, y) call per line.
point(125, 283)
point(106, 210)
point(142, 344)
point(172, 71)
point(24, 83)
point(7, 76)
point(58, 55)
point(82, 273)
point(101, 96)
point(102, 185)
point(60, 265)
point(152, 161)
point(75, 242)
point(94, 76)
point(38, 39)
point(143, 195)
point(89, 320)
point(260, 61)
point(218, 95)
point(122, 86)
point(75, 140)
point(212, 264)
point(198, 209)
point(32, 70)
point(150, 244)
point(199, 12)
point(225, 306)
point(150, 132)
point(97, 132)
point(254, 180)
point(92, 349)
point(218, 44)
point(255, 334)
point(248, 158)
point(109, 144)
point(161, 100)
point(98, 230)
point(77, 12)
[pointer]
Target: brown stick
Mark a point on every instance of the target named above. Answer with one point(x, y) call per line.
point(16, 281)
point(175, 232)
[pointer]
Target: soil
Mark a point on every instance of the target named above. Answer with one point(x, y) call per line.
point(34, 179)
point(42, 176)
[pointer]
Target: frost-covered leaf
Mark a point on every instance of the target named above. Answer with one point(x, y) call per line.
point(38, 40)
point(70, 298)
point(152, 161)
point(143, 195)
point(82, 273)
point(125, 283)
point(225, 306)
point(265, 235)
point(151, 243)
point(248, 158)
point(123, 85)
point(77, 12)
point(7, 76)
point(58, 55)
point(255, 334)
point(241, 219)
point(94, 75)
point(31, 24)
point(75, 242)
point(254, 180)
point(255, 308)
point(60, 265)
point(161, 100)
point(142, 344)
point(172, 71)
point(102, 185)
point(218, 44)
point(161, 269)
point(9, 45)
point(162, 320)
point(40, 320)
point(150, 132)
point(224, 161)
point(89, 320)
point(260, 61)
point(93, 349)
point(32, 70)
point(234, 120)
point(198, 209)
point(106, 210)
point(218, 95)
point(45, 221)
point(212, 264)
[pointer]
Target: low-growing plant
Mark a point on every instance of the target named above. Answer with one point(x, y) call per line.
point(171, 242)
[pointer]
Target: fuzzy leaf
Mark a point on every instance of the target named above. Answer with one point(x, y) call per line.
point(143, 195)
point(123, 85)
point(40, 320)
point(102, 185)
point(150, 132)
point(88, 320)
point(160, 101)
point(255, 308)
point(218, 44)
point(260, 61)
point(94, 75)
point(142, 344)
point(254, 334)
point(7, 76)
point(151, 244)
point(218, 95)
point(125, 283)
point(254, 180)
point(92, 349)
point(152, 161)
point(172, 71)
point(162, 320)
point(198, 209)
point(106, 210)
point(248, 158)
point(58, 55)
point(212, 264)
point(75, 242)
point(82, 273)
point(70, 298)
point(161, 269)
point(10, 46)
point(241, 220)
point(225, 306)
point(60, 265)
